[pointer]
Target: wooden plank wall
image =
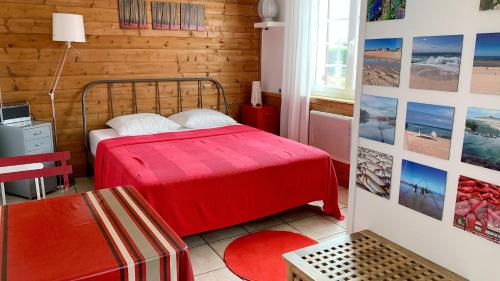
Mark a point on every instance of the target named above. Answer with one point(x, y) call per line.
point(228, 50)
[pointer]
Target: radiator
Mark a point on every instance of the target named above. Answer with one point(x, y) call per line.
point(331, 133)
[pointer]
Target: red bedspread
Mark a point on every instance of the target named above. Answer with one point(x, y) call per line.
point(208, 179)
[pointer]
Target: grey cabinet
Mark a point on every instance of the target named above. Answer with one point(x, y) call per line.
point(27, 140)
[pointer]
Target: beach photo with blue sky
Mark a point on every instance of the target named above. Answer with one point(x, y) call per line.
point(482, 138)
point(435, 63)
point(422, 189)
point(382, 62)
point(486, 70)
point(378, 118)
point(428, 129)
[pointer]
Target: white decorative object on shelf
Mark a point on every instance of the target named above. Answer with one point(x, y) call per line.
point(268, 9)
point(256, 93)
point(269, 24)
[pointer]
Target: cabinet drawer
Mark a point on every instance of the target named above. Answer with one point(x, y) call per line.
point(37, 146)
point(37, 133)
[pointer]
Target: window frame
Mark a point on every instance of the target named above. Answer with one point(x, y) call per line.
point(332, 93)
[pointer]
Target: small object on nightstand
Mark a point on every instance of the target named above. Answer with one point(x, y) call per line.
point(265, 117)
point(256, 94)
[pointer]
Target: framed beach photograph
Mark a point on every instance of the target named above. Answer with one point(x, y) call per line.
point(435, 62)
point(477, 210)
point(374, 172)
point(486, 5)
point(422, 189)
point(382, 62)
point(482, 138)
point(428, 129)
point(380, 10)
point(486, 70)
point(377, 120)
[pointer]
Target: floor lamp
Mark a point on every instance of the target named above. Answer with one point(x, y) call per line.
point(65, 28)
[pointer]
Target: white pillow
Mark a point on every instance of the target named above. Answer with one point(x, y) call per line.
point(142, 124)
point(201, 119)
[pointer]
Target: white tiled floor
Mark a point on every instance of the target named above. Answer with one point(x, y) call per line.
point(207, 249)
point(308, 220)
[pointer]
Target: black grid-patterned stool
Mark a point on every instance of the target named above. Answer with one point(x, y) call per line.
point(362, 256)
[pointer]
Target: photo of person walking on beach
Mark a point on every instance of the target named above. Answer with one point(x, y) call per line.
point(422, 189)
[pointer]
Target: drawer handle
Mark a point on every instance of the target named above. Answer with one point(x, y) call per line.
point(38, 145)
point(38, 133)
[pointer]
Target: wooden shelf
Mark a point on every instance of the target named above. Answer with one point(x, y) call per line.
point(269, 24)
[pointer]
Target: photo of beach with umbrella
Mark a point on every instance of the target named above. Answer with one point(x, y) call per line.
point(486, 70)
point(379, 10)
point(382, 62)
point(435, 62)
point(428, 129)
point(422, 189)
point(374, 172)
point(482, 138)
point(477, 208)
point(377, 119)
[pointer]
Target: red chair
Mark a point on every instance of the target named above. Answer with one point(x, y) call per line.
point(61, 169)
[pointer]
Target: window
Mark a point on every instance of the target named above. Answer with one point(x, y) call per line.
point(335, 49)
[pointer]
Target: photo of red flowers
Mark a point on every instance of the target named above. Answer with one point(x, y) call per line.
point(477, 208)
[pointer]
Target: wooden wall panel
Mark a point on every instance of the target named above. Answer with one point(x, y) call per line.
point(229, 50)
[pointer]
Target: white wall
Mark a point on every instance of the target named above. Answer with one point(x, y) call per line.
point(473, 257)
point(273, 41)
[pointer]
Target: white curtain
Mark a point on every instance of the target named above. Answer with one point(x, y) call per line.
point(298, 68)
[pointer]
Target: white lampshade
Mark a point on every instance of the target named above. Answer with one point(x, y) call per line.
point(68, 28)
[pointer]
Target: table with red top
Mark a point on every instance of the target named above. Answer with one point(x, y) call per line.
point(110, 234)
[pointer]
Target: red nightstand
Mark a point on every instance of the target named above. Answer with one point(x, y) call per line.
point(264, 117)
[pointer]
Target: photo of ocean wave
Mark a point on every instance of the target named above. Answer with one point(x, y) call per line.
point(382, 62)
point(435, 63)
point(428, 129)
point(378, 118)
point(486, 70)
point(482, 138)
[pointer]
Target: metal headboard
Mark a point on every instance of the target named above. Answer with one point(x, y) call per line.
point(156, 81)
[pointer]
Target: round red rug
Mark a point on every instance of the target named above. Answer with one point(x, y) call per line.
point(258, 256)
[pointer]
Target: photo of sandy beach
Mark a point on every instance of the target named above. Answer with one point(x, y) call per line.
point(382, 62)
point(477, 209)
point(422, 189)
point(489, 5)
point(435, 63)
point(377, 119)
point(482, 138)
point(428, 129)
point(374, 172)
point(486, 70)
point(379, 10)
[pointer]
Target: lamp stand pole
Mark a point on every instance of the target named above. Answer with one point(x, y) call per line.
point(52, 91)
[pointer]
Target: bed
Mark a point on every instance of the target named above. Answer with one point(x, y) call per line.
point(206, 179)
